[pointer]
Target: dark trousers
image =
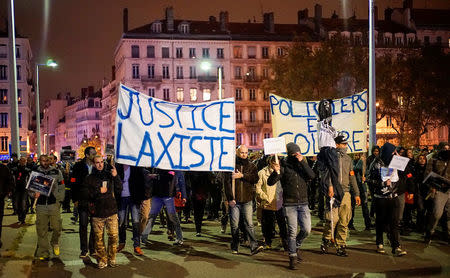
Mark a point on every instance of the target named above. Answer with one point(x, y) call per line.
point(216, 199)
point(387, 220)
point(21, 204)
point(85, 219)
point(268, 225)
point(2, 210)
point(364, 205)
point(199, 210)
point(66, 202)
point(329, 168)
point(321, 205)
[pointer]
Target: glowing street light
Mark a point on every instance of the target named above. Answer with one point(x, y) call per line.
point(52, 64)
point(206, 66)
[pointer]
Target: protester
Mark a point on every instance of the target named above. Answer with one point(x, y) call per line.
point(271, 198)
point(359, 168)
point(103, 186)
point(6, 188)
point(21, 173)
point(80, 196)
point(293, 174)
point(342, 212)
point(48, 211)
point(423, 204)
point(375, 152)
point(200, 183)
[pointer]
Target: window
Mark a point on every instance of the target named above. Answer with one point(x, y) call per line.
point(165, 52)
point(3, 119)
point(280, 51)
point(4, 142)
point(410, 40)
point(206, 94)
point(251, 73)
point(3, 51)
point(3, 74)
point(237, 72)
point(156, 27)
point(20, 119)
point(426, 40)
point(252, 116)
point(238, 116)
point(205, 52)
point(253, 139)
point(135, 51)
point(179, 52)
point(150, 51)
point(184, 28)
point(265, 52)
point(265, 73)
point(17, 51)
point(220, 53)
point(237, 52)
point(151, 71)
point(252, 93)
point(97, 127)
point(151, 92)
point(19, 96)
point(251, 52)
point(238, 93)
point(193, 94)
point(267, 116)
point(191, 52)
point(166, 94)
point(398, 41)
point(239, 139)
point(387, 40)
point(267, 135)
point(180, 94)
point(3, 96)
point(166, 74)
point(19, 71)
point(135, 72)
point(192, 72)
point(266, 95)
point(179, 72)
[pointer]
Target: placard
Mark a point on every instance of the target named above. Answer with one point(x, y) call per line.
point(274, 145)
point(41, 183)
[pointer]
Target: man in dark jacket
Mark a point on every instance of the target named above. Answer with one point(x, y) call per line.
point(293, 174)
point(130, 199)
point(240, 195)
point(80, 197)
point(103, 186)
point(21, 174)
point(6, 188)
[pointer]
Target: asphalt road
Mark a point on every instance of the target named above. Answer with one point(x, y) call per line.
point(210, 256)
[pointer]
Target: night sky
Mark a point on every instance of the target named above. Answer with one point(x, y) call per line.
point(82, 34)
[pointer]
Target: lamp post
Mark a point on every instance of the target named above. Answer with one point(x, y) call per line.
point(15, 146)
point(206, 66)
point(53, 64)
point(372, 88)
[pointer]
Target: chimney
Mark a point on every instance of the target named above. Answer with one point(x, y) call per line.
point(387, 14)
point(169, 19)
point(223, 21)
point(408, 4)
point(83, 93)
point(317, 18)
point(91, 90)
point(125, 20)
point(269, 24)
point(302, 17)
point(113, 73)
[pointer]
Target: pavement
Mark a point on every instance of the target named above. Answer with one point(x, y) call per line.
point(210, 255)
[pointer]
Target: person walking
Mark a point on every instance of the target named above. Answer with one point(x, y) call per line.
point(6, 188)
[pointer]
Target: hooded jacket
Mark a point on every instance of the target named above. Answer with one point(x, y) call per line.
point(346, 173)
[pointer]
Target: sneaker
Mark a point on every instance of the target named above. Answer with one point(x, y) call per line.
point(380, 249)
point(56, 250)
point(257, 250)
point(138, 251)
point(427, 239)
point(178, 242)
point(267, 247)
point(93, 254)
point(223, 229)
point(198, 234)
point(351, 227)
point(120, 247)
point(398, 252)
point(341, 252)
point(324, 246)
point(113, 264)
point(144, 240)
point(44, 258)
point(234, 252)
point(101, 265)
point(83, 254)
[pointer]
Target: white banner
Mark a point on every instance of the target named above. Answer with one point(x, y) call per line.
point(274, 145)
point(297, 121)
point(155, 133)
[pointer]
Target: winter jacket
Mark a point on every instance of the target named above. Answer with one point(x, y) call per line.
point(21, 174)
point(244, 188)
point(58, 190)
point(80, 191)
point(293, 177)
point(200, 183)
point(7, 183)
point(138, 185)
point(346, 173)
point(105, 204)
point(439, 164)
point(271, 196)
point(164, 183)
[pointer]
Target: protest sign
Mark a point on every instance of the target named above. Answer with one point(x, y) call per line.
point(274, 145)
point(41, 183)
point(399, 162)
point(297, 121)
point(155, 133)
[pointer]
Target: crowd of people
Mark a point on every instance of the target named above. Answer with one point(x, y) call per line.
point(282, 192)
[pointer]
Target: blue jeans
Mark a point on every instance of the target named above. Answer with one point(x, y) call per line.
point(126, 205)
point(247, 212)
point(297, 215)
point(157, 204)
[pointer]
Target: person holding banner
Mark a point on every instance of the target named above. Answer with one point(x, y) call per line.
point(48, 210)
point(240, 195)
point(293, 172)
point(6, 188)
point(342, 214)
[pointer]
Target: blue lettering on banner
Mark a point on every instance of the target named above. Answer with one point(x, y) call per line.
point(222, 153)
point(191, 142)
point(164, 113)
point(356, 141)
point(146, 141)
point(119, 139)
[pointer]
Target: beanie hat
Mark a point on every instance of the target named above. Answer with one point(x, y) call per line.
point(292, 148)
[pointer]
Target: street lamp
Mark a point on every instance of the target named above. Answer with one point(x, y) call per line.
point(52, 64)
point(206, 66)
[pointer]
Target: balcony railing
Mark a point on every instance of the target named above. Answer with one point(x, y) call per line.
point(88, 118)
point(252, 79)
point(157, 78)
point(254, 123)
point(207, 78)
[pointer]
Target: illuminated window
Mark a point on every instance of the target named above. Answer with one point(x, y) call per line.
point(180, 94)
point(193, 94)
point(206, 94)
